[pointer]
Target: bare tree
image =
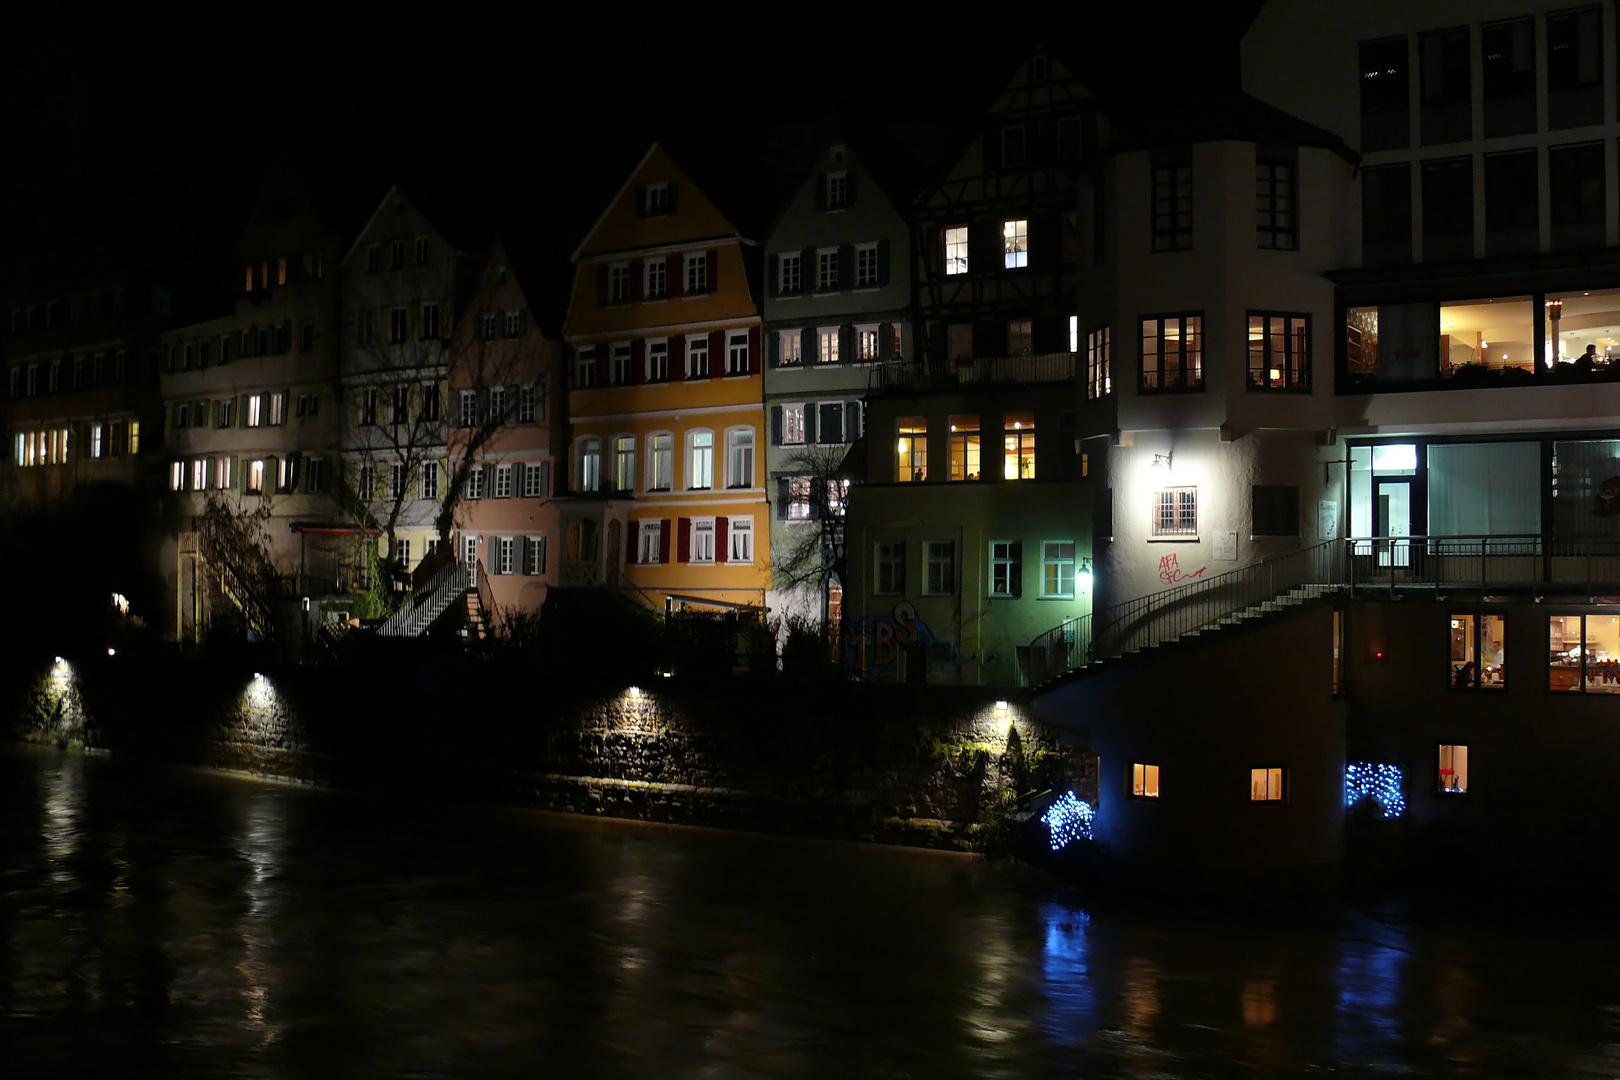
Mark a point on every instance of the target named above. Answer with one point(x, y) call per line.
point(814, 554)
point(234, 545)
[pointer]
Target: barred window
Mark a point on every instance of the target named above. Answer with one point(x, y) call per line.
point(1176, 512)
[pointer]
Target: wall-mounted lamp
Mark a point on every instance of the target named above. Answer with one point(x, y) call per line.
point(112, 652)
point(1162, 461)
point(59, 660)
point(1001, 706)
point(1082, 576)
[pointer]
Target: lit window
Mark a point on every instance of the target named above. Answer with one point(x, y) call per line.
point(650, 543)
point(1279, 351)
point(866, 344)
point(1144, 781)
point(1453, 769)
point(827, 345)
point(1584, 654)
point(590, 464)
point(1099, 365)
point(964, 448)
point(740, 458)
point(956, 250)
point(793, 425)
point(660, 462)
point(911, 460)
point(1015, 243)
point(177, 469)
point(790, 346)
point(624, 463)
point(1172, 353)
point(199, 474)
point(1018, 446)
point(700, 461)
point(255, 477)
point(1477, 645)
point(798, 499)
point(1057, 569)
point(255, 413)
point(1175, 512)
point(1266, 784)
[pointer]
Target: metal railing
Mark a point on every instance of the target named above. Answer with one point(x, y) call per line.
point(427, 604)
point(1539, 564)
point(978, 371)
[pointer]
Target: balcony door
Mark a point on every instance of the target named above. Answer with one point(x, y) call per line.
point(1393, 523)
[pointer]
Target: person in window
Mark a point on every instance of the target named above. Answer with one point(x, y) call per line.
point(1465, 676)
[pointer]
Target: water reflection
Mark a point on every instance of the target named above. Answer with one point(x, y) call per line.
point(181, 925)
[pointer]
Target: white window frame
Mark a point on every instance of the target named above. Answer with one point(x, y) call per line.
point(534, 475)
point(655, 280)
point(740, 539)
point(866, 266)
point(939, 560)
point(199, 474)
point(588, 467)
point(697, 357)
point(955, 239)
point(255, 416)
point(867, 344)
point(534, 556)
point(836, 195)
point(1015, 243)
point(738, 361)
point(700, 460)
point(701, 544)
point(827, 344)
point(649, 542)
point(735, 439)
point(1057, 569)
point(503, 481)
point(657, 358)
point(528, 403)
point(222, 473)
point(514, 323)
point(1003, 563)
point(661, 461)
point(506, 555)
point(826, 270)
point(790, 348)
point(497, 405)
point(798, 499)
point(619, 359)
point(585, 366)
point(1175, 513)
point(467, 408)
point(695, 273)
point(656, 202)
point(430, 479)
point(793, 430)
point(618, 290)
point(790, 274)
point(475, 483)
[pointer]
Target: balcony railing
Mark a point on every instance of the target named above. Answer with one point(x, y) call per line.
point(979, 371)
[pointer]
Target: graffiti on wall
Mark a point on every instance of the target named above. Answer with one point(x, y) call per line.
point(877, 641)
point(1171, 573)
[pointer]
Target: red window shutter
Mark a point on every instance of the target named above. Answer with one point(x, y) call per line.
point(717, 354)
point(684, 527)
point(722, 539)
point(677, 358)
point(674, 276)
point(638, 361)
point(755, 357)
point(663, 540)
point(714, 270)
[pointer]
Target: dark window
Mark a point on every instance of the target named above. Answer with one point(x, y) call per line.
point(1172, 207)
point(1275, 511)
point(1447, 114)
point(1386, 215)
point(1512, 203)
point(1575, 69)
point(1279, 351)
point(1384, 108)
point(1508, 55)
point(1172, 353)
point(1448, 210)
point(1576, 195)
point(1274, 194)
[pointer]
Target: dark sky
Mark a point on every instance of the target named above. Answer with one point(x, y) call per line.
point(149, 134)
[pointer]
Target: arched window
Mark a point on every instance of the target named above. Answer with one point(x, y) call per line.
point(700, 461)
point(660, 461)
point(588, 470)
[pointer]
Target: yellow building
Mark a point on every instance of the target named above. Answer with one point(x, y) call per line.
point(666, 456)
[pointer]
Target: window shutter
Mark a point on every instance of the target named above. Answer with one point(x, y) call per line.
point(773, 283)
point(886, 341)
point(852, 421)
point(722, 539)
point(808, 271)
point(783, 497)
point(674, 193)
point(883, 262)
point(674, 277)
point(602, 285)
point(717, 354)
point(684, 546)
point(807, 346)
point(846, 345)
point(810, 424)
point(272, 475)
point(638, 284)
point(638, 361)
point(776, 350)
point(849, 187)
point(846, 267)
point(677, 358)
point(545, 478)
point(489, 481)
point(1018, 568)
point(483, 404)
point(776, 425)
point(821, 191)
point(238, 477)
point(242, 411)
point(755, 355)
point(520, 555)
point(713, 258)
point(663, 540)
point(517, 479)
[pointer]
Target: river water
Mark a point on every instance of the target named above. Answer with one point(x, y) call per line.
point(175, 923)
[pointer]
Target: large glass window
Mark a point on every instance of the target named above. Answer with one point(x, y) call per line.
point(1018, 446)
point(956, 249)
point(1445, 86)
point(964, 448)
point(1512, 204)
point(1583, 654)
point(1575, 180)
point(1015, 243)
point(1575, 68)
point(1448, 210)
point(1509, 64)
point(911, 460)
point(1172, 206)
point(660, 462)
point(700, 461)
point(1493, 334)
point(1484, 489)
point(624, 463)
point(1583, 324)
point(1384, 107)
point(1099, 365)
point(1172, 353)
point(1585, 489)
point(1477, 645)
point(1279, 351)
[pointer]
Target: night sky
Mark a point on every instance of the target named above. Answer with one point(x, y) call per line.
point(146, 138)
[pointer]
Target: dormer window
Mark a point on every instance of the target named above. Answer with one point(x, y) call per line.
point(837, 190)
point(657, 199)
point(836, 153)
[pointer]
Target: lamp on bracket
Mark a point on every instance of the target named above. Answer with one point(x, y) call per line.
point(1162, 461)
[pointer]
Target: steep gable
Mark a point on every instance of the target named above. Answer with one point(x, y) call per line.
point(630, 224)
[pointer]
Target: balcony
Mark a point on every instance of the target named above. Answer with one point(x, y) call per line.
point(976, 373)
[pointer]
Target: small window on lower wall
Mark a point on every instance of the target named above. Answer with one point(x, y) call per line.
point(1453, 769)
point(1266, 784)
point(1476, 652)
point(1583, 654)
point(1144, 781)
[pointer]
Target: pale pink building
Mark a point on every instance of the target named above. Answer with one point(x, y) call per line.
point(504, 386)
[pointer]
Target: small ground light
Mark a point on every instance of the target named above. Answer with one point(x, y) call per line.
point(256, 675)
point(112, 652)
point(1001, 706)
point(59, 660)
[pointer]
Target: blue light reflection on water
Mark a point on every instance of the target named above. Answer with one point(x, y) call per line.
point(1071, 1001)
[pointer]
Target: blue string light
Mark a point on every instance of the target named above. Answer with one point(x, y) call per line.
point(1380, 783)
point(1067, 819)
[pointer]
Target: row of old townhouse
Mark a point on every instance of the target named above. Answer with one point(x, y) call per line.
point(1260, 431)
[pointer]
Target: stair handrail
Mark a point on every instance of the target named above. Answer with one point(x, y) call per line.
point(408, 620)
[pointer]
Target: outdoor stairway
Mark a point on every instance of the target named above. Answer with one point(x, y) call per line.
point(428, 602)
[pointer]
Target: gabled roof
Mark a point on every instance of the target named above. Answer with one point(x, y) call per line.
point(1182, 120)
point(696, 215)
